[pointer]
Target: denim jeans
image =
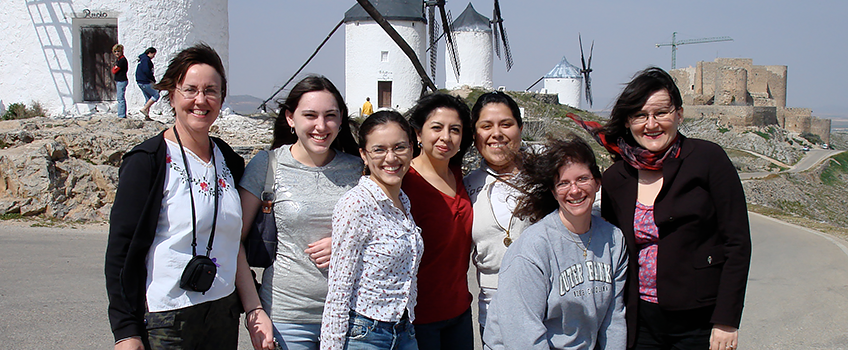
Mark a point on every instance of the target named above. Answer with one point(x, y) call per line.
point(297, 336)
point(366, 334)
point(121, 86)
point(149, 92)
point(455, 333)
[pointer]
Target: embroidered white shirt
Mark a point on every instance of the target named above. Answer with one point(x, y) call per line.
point(376, 252)
point(170, 251)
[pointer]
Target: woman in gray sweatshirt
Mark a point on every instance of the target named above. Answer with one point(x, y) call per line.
point(561, 283)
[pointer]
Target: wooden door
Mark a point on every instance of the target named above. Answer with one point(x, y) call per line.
point(96, 50)
point(384, 94)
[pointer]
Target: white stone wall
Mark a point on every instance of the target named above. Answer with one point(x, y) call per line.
point(41, 58)
point(364, 65)
point(475, 61)
point(569, 90)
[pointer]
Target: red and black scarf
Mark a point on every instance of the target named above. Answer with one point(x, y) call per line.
point(636, 156)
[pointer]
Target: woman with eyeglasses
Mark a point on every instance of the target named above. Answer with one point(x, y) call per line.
point(442, 209)
point(493, 191)
point(177, 208)
point(680, 204)
point(376, 247)
point(561, 284)
point(317, 161)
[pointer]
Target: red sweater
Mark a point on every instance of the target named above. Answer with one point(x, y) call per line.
point(446, 229)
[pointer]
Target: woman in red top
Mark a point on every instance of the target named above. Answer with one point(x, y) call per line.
point(442, 208)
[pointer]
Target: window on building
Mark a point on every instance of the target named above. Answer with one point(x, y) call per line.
point(384, 56)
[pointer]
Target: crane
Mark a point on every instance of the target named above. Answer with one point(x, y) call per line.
point(674, 43)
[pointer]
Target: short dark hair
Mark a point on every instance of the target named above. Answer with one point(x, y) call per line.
point(429, 103)
point(495, 97)
point(282, 131)
point(540, 172)
point(179, 65)
point(151, 50)
point(381, 118)
point(633, 98)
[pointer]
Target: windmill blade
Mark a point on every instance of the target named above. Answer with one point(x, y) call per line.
point(434, 37)
point(497, 38)
point(450, 37)
point(507, 52)
point(586, 68)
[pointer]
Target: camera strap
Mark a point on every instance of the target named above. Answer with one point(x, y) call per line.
point(191, 194)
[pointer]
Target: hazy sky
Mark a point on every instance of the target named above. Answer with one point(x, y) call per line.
point(270, 39)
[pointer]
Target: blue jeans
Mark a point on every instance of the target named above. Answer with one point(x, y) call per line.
point(366, 334)
point(121, 86)
point(298, 336)
point(149, 92)
point(455, 333)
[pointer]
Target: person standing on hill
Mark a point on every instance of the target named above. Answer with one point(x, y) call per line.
point(119, 70)
point(145, 79)
point(367, 108)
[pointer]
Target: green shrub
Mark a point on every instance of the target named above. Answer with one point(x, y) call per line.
point(838, 165)
point(723, 130)
point(21, 111)
point(812, 138)
point(764, 135)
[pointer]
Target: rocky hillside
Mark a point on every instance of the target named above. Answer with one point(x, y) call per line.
point(67, 169)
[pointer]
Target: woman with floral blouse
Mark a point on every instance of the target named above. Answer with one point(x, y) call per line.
point(376, 247)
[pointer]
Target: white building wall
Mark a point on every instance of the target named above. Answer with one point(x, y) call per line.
point(41, 58)
point(475, 61)
point(364, 65)
point(568, 90)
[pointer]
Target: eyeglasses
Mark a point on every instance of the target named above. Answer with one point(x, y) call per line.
point(380, 152)
point(191, 93)
point(582, 182)
point(661, 116)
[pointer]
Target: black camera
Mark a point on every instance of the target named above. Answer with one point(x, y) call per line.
point(199, 274)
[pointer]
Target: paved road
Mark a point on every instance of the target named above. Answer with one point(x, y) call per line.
point(810, 159)
point(52, 292)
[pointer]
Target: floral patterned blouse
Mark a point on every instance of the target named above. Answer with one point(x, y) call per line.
point(376, 252)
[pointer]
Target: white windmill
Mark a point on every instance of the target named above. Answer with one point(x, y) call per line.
point(473, 35)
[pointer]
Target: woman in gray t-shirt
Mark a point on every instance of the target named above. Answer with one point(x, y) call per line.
point(315, 165)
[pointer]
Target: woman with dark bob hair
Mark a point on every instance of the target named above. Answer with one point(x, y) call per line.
point(561, 284)
point(442, 209)
point(314, 160)
point(376, 247)
point(682, 209)
point(177, 208)
point(493, 191)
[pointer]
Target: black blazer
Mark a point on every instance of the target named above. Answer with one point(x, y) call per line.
point(704, 248)
point(132, 226)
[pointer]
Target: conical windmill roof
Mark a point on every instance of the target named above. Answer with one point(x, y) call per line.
point(564, 70)
point(401, 10)
point(471, 21)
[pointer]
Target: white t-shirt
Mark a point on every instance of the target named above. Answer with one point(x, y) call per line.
point(171, 249)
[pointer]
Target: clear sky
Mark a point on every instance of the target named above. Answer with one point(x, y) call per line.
point(270, 39)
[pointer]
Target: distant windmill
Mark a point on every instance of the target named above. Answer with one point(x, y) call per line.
point(587, 68)
point(500, 35)
point(674, 43)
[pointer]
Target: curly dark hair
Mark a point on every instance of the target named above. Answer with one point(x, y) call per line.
point(633, 98)
point(283, 135)
point(540, 173)
point(419, 114)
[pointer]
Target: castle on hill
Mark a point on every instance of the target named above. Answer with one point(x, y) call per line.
point(741, 94)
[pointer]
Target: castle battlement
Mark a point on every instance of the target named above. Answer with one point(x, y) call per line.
point(739, 93)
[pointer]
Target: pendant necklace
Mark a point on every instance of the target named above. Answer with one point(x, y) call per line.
point(507, 240)
point(577, 241)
